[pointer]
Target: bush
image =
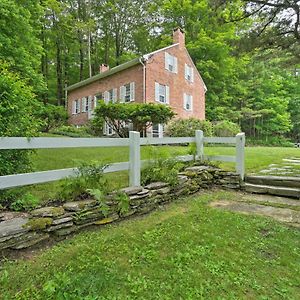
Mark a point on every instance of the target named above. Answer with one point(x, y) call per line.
point(95, 127)
point(26, 202)
point(187, 127)
point(52, 116)
point(226, 129)
point(278, 141)
point(72, 131)
point(89, 176)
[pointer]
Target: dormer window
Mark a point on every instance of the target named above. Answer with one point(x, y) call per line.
point(170, 63)
point(189, 73)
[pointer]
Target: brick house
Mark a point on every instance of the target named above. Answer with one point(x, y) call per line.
point(167, 76)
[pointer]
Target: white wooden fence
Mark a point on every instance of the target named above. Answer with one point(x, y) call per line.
point(134, 165)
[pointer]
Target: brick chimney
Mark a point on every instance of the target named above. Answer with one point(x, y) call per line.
point(179, 37)
point(103, 68)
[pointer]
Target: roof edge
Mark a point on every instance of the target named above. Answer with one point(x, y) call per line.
point(107, 73)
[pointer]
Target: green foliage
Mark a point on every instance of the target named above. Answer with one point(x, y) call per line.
point(25, 202)
point(161, 168)
point(187, 127)
point(123, 202)
point(52, 116)
point(100, 196)
point(17, 104)
point(95, 126)
point(89, 176)
point(72, 131)
point(120, 116)
point(226, 129)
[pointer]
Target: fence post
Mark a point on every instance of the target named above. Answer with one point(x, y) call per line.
point(134, 159)
point(199, 144)
point(240, 154)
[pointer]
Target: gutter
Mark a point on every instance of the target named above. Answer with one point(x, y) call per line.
point(142, 60)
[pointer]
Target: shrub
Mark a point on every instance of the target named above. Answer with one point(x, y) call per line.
point(95, 127)
point(52, 116)
point(89, 176)
point(226, 129)
point(25, 202)
point(187, 127)
point(72, 131)
point(161, 168)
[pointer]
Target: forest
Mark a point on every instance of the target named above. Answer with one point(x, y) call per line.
point(246, 51)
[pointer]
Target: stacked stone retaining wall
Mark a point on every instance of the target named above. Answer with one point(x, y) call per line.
point(23, 230)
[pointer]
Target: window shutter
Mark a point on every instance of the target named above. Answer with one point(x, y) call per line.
point(74, 107)
point(122, 94)
point(185, 71)
point(184, 100)
point(166, 60)
point(157, 91)
point(192, 74)
point(114, 95)
point(95, 102)
point(191, 102)
point(90, 103)
point(132, 91)
point(175, 65)
point(106, 96)
point(167, 94)
point(83, 104)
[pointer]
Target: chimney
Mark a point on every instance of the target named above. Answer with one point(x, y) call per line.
point(179, 37)
point(103, 68)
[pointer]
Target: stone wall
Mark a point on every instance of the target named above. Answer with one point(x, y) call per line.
point(22, 230)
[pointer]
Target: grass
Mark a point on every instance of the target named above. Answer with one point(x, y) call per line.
point(256, 158)
point(213, 255)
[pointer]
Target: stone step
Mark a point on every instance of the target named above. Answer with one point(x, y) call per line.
point(272, 190)
point(284, 181)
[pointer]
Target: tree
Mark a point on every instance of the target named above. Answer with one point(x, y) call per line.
point(120, 117)
point(17, 107)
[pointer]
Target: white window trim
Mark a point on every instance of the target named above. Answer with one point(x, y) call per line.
point(186, 98)
point(189, 71)
point(171, 60)
point(131, 92)
point(157, 93)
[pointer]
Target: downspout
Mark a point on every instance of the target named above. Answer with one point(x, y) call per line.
point(144, 78)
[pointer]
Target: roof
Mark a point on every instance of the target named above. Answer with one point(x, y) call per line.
point(125, 66)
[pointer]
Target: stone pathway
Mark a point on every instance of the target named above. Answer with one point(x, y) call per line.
point(279, 208)
point(288, 167)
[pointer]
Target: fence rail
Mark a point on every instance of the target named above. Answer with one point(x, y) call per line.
point(133, 165)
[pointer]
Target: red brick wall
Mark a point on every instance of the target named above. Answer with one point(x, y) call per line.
point(133, 74)
point(156, 72)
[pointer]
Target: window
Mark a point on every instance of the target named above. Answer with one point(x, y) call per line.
point(161, 93)
point(97, 98)
point(108, 129)
point(87, 104)
point(188, 102)
point(170, 63)
point(127, 92)
point(76, 107)
point(189, 73)
point(158, 130)
point(110, 96)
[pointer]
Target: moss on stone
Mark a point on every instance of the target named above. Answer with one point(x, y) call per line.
point(38, 223)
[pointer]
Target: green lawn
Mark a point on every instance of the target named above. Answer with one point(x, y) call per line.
point(186, 250)
point(256, 158)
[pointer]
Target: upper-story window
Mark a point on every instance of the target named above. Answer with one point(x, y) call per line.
point(127, 92)
point(187, 102)
point(162, 93)
point(170, 63)
point(98, 97)
point(86, 104)
point(189, 73)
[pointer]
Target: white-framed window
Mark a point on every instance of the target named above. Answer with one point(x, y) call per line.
point(189, 73)
point(110, 96)
point(127, 92)
point(97, 97)
point(76, 107)
point(158, 130)
point(170, 62)
point(162, 93)
point(187, 102)
point(107, 129)
point(86, 103)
